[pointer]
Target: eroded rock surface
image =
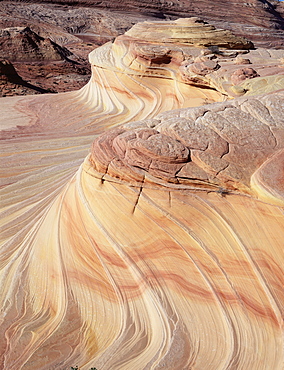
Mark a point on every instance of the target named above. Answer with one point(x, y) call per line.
point(22, 44)
point(194, 53)
point(217, 147)
point(142, 228)
point(83, 26)
point(77, 31)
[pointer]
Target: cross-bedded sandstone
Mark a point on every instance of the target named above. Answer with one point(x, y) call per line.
point(163, 247)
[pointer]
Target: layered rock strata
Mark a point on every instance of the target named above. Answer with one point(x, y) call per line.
point(225, 148)
point(258, 12)
point(142, 229)
point(164, 250)
point(137, 78)
point(82, 28)
point(189, 52)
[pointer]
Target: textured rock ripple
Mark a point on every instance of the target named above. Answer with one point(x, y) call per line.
point(142, 228)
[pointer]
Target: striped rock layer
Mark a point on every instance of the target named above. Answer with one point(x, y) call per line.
point(142, 229)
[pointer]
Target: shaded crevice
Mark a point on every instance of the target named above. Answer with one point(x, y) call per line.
point(138, 197)
point(227, 151)
point(223, 169)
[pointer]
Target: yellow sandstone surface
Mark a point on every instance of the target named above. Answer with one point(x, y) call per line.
point(141, 226)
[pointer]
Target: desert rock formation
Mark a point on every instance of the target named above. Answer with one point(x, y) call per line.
point(258, 12)
point(143, 215)
point(82, 27)
point(11, 83)
point(77, 30)
point(22, 44)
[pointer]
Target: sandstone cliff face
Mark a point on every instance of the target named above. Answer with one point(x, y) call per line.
point(142, 228)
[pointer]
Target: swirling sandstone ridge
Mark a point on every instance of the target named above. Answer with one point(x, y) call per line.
point(161, 248)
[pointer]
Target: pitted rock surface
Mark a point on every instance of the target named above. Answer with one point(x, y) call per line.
point(223, 146)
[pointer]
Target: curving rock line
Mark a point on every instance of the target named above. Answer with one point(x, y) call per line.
point(164, 248)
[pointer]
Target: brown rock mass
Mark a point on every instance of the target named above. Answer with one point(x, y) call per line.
point(257, 12)
point(243, 74)
point(22, 44)
point(86, 25)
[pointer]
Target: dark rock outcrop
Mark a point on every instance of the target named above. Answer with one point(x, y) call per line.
point(22, 44)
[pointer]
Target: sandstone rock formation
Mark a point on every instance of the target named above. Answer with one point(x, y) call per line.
point(77, 29)
point(142, 228)
point(86, 25)
point(192, 52)
point(207, 148)
point(22, 44)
